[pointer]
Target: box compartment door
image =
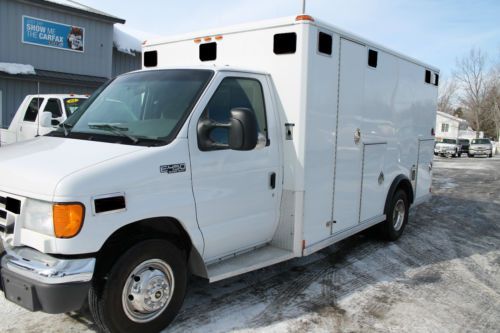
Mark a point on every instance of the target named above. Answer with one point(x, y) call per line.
point(349, 147)
point(373, 187)
point(424, 173)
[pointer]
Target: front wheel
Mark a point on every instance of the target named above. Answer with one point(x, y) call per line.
point(396, 216)
point(143, 291)
point(490, 155)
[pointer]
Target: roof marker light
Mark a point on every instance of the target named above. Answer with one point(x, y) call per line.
point(207, 39)
point(304, 18)
point(197, 40)
point(219, 37)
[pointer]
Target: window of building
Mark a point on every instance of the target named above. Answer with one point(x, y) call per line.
point(32, 111)
point(54, 106)
point(285, 43)
point(235, 93)
point(372, 58)
point(445, 127)
point(325, 43)
point(208, 51)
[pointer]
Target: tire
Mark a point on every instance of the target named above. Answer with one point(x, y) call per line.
point(154, 261)
point(470, 155)
point(397, 217)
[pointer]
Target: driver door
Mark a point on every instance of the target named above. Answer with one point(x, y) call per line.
point(237, 193)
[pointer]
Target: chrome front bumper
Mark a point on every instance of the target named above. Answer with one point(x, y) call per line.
point(40, 282)
point(46, 269)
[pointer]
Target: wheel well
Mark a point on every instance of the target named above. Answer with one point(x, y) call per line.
point(124, 238)
point(403, 183)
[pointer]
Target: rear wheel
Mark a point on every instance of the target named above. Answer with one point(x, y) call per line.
point(490, 155)
point(396, 216)
point(143, 291)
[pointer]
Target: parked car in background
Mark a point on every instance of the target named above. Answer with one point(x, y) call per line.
point(40, 114)
point(481, 147)
point(448, 147)
point(464, 145)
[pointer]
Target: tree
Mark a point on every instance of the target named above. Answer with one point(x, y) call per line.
point(446, 96)
point(470, 76)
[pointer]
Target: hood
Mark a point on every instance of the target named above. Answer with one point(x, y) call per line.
point(481, 145)
point(34, 168)
point(446, 145)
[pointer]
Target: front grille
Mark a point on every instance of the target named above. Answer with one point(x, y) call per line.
point(10, 208)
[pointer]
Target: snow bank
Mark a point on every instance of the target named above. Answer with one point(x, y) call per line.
point(11, 68)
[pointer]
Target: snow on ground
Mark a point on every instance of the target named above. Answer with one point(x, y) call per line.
point(14, 69)
point(442, 276)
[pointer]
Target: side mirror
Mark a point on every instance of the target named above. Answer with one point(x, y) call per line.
point(243, 130)
point(55, 122)
point(46, 119)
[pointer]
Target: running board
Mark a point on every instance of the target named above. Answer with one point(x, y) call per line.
point(247, 262)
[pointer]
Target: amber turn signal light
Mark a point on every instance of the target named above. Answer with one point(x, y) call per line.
point(68, 219)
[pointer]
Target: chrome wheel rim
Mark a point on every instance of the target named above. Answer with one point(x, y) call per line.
point(398, 215)
point(148, 290)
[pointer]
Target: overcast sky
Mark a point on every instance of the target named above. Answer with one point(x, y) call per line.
point(436, 32)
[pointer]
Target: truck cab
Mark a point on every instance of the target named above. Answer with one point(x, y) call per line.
point(30, 121)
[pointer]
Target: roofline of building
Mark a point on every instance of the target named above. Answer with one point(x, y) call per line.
point(58, 78)
point(94, 13)
point(452, 117)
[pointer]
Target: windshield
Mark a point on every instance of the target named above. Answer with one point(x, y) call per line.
point(72, 104)
point(452, 141)
point(481, 141)
point(139, 107)
point(463, 141)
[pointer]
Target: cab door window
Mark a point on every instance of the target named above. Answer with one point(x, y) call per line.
point(32, 111)
point(235, 93)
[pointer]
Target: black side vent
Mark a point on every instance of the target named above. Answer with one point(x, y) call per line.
point(285, 43)
point(208, 51)
point(150, 58)
point(325, 43)
point(13, 205)
point(109, 204)
point(2, 200)
point(3, 214)
point(372, 58)
point(427, 76)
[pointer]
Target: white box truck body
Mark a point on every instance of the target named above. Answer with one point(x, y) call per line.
point(292, 135)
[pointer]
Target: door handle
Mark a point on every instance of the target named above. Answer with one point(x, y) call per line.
point(272, 180)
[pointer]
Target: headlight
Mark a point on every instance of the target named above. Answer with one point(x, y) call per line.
point(60, 220)
point(38, 216)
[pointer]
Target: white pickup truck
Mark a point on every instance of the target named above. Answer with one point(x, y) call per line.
point(232, 150)
point(38, 115)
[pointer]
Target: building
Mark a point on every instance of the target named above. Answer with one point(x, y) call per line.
point(58, 46)
point(451, 127)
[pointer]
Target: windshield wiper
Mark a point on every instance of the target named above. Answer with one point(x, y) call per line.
point(119, 130)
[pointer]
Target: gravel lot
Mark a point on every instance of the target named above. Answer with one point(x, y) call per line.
point(443, 275)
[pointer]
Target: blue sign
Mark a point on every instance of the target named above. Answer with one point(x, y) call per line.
point(53, 34)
